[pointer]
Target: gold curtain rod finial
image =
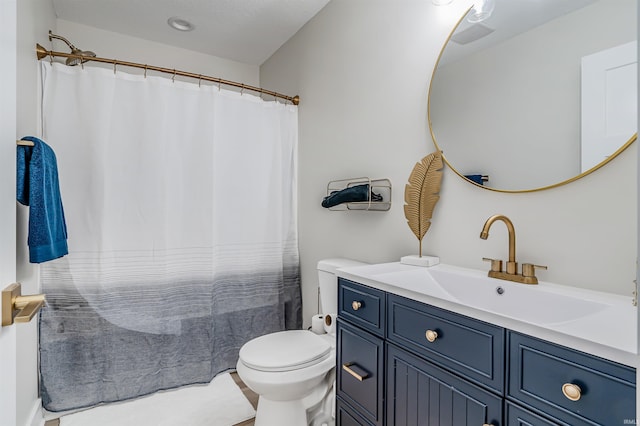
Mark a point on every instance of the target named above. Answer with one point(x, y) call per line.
point(41, 52)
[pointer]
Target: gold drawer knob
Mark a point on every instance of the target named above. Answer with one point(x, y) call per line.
point(355, 305)
point(571, 391)
point(431, 335)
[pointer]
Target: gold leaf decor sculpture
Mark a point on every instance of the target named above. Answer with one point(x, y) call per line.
point(422, 193)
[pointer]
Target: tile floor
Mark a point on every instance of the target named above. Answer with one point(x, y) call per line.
point(248, 393)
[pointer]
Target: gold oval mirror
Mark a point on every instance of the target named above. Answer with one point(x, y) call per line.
point(537, 95)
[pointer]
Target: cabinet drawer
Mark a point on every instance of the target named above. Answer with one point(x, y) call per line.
point(421, 394)
point(360, 384)
point(518, 416)
point(469, 347)
point(346, 416)
point(361, 305)
point(539, 371)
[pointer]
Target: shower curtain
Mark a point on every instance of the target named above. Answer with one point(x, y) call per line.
point(180, 204)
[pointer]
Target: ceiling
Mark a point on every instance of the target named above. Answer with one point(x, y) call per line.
point(247, 31)
point(509, 19)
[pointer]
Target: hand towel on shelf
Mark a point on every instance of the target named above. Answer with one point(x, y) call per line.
point(350, 195)
point(37, 186)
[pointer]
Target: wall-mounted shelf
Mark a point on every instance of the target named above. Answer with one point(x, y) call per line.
point(380, 187)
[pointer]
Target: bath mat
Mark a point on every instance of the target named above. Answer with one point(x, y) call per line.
point(220, 403)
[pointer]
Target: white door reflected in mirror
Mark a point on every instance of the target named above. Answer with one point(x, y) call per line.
point(609, 102)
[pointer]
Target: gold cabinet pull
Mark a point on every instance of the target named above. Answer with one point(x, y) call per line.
point(351, 368)
point(355, 305)
point(18, 308)
point(431, 335)
point(571, 391)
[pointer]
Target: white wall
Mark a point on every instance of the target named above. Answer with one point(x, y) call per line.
point(362, 69)
point(8, 335)
point(35, 18)
point(107, 44)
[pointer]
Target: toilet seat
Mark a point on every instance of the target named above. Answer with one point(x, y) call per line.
point(285, 351)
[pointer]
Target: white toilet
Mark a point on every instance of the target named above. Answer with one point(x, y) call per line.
point(293, 371)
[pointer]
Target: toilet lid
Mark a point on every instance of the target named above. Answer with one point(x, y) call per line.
point(284, 351)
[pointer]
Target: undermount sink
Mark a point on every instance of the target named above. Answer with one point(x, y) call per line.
point(542, 304)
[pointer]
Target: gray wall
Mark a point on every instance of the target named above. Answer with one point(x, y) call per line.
point(362, 69)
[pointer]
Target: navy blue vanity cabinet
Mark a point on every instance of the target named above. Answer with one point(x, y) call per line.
point(407, 363)
point(360, 355)
point(568, 386)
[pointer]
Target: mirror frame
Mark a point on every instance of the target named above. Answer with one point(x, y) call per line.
point(444, 157)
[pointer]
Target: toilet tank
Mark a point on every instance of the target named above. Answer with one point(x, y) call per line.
point(328, 282)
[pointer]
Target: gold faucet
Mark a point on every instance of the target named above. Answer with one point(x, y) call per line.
point(511, 274)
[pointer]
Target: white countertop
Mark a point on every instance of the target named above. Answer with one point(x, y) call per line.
point(607, 328)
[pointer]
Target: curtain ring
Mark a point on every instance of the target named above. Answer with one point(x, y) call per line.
point(219, 83)
point(114, 66)
point(242, 90)
point(145, 70)
point(173, 79)
point(51, 57)
point(199, 80)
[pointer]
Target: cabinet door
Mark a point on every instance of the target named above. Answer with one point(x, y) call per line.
point(422, 394)
point(360, 371)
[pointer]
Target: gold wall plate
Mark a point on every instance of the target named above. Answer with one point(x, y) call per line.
point(18, 308)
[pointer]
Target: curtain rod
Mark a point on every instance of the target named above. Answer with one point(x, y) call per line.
point(41, 53)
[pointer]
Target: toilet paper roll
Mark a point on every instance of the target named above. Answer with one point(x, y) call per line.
point(317, 324)
point(330, 323)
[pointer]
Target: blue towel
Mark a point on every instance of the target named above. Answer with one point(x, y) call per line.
point(479, 179)
point(38, 187)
